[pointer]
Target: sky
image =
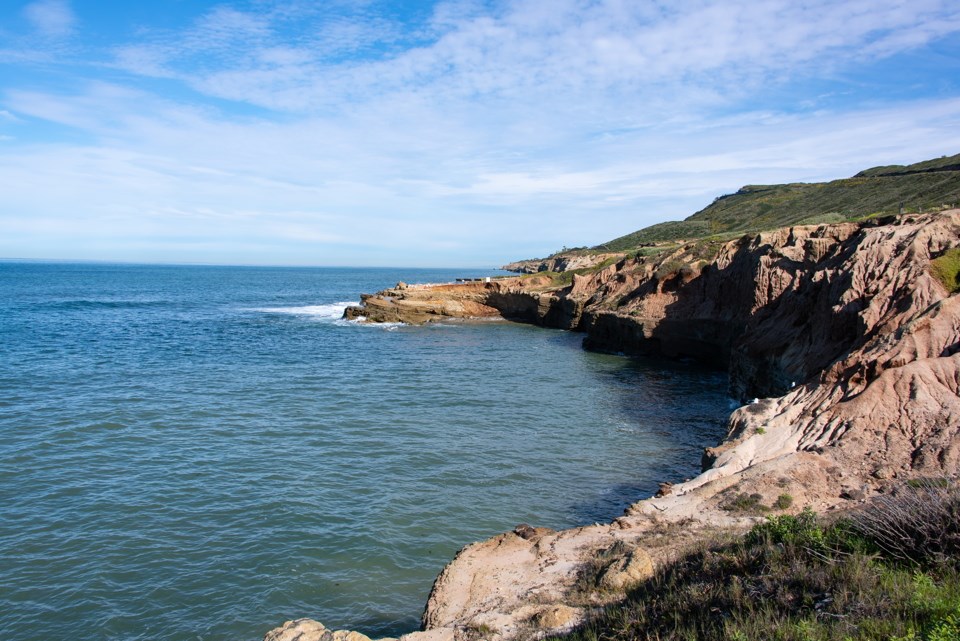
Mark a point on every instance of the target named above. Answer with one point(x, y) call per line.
point(450, 133)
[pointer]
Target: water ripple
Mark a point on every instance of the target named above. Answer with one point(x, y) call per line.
point(202, 453)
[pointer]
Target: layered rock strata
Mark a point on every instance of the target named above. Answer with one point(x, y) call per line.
point(560, 262)
point(531, 299)
point(849, 345)
point(418, 304)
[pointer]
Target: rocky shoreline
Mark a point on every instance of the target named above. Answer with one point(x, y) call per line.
point(847, 344)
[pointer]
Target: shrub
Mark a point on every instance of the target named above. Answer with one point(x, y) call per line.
point(745, 503)
point(792, 578)
point(803, 530)
point(783, 502)
point(669, 268)
point(919, 524)
point(929, 481)
point(946, 269)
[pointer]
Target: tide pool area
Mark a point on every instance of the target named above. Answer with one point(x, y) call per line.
point(204, 452)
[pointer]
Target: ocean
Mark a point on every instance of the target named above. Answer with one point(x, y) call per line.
point(201, 453)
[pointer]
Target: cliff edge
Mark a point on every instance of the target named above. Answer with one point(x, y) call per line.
point(843, 340)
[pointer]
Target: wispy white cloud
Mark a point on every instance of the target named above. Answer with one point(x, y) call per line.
point(52, 18)
point(533, 49)
point(367, 132)
point(188, 174)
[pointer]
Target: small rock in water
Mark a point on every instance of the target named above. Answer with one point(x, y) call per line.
point(529, 533)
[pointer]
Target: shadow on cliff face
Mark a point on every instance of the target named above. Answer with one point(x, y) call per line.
point(803, 325)
point(773, 316)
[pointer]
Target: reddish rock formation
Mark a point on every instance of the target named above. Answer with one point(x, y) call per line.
point(849, 344)
point(846, 315)
point(559, 262)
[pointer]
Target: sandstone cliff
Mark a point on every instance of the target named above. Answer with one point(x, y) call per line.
point(562, 262)
point(848, 345)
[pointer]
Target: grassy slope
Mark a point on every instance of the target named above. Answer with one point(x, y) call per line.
point(889, 573)
point(929, 184)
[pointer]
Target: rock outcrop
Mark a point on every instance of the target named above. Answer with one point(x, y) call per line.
point(418, 304)
point(532, 299)
point(560, 262)
point(848, 345)
point(310, 630)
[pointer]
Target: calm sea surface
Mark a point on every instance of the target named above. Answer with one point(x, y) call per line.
point(205, 452)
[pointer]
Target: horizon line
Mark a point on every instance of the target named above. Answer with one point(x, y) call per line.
point(105, 261)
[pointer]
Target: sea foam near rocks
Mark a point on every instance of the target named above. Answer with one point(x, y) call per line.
point(329, 311)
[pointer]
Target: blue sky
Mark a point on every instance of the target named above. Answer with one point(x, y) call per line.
point(461, 133)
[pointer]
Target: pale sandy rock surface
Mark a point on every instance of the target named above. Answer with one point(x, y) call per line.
point(555, 618)
point(417, 304)
point(310, 630)
point(440, 634)
point(626, 571)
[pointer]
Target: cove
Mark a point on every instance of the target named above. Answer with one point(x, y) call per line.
point(201, 452)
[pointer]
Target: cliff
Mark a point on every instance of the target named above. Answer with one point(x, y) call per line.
point(563, 262)
point(843, 336)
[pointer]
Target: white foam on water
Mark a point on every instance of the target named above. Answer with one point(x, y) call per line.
point(331, 311)
point(360, 321)
point(387, 327)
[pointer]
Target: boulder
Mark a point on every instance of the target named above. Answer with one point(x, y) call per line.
point(627, 571)
point(558, 618)
point(310, 630)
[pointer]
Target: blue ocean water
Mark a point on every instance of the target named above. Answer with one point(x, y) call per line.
point(205, 452)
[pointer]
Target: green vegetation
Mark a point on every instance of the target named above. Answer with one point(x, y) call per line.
point(561, 279)
point(659, 233)
point(890, 572)
point(655, 251)
point(670, 267)
point(783, 502)
point(745, 503)
point(929, 481)
point(927, 185)
point(479, 631)
point(936, 164)
point(946, 269)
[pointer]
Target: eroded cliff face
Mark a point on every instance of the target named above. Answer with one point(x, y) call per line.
point(841, 328)
point(559, 263)
point(774, 308)
point(850, 346)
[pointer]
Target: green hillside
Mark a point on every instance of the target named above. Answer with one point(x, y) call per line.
point(927, 185)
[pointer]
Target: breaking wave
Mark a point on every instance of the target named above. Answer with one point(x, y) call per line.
point(331, 311)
